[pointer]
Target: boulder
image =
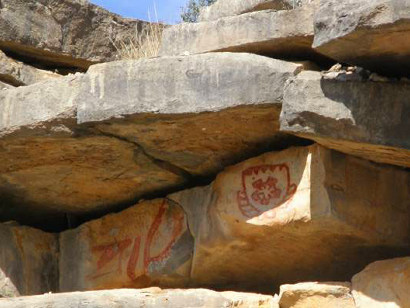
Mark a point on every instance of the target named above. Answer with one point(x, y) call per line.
point(365, 33)
point(28, 261)
point(306, 213)
point(147, 298)
point(225, 8)
point(67, 33)
point(272, 33)
point(19, 74)
point(363, 118)
point(316, 295)
point(383, 284)
point(146, 245)
point(133, 129)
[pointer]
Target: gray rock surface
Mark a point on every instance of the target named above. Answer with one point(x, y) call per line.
point(373, 34)
point(4, 86)
point(144, 298)
point(273, 33)
point(28, 261)
point(363, 118)
point(225, 8)
point(67, 33)
point(19, 74)
point(170, 120)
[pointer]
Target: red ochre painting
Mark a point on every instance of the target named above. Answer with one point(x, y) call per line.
point(264, 187)
point(138, 253)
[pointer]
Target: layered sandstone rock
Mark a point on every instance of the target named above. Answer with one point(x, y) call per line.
point(363, 118)
point(4, 86)
point(148, 244)
point(383, 284)
point(316, 295)
point(264, 32)
point(28, 261)
point(154, 138)
point(19, 74)
point(68, 33)
point(372, 34)
point(148, 298)
point(273, 219)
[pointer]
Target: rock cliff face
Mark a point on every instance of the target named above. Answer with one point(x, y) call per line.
point(243, 158)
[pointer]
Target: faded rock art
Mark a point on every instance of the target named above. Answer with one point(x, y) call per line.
point(138, 255)
point(264, 188)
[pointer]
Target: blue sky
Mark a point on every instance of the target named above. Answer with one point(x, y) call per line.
point(167, 10)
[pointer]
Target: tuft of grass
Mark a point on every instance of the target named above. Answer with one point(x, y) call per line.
point(145, 43)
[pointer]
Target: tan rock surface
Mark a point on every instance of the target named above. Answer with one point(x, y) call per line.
point(148, 244)
point(144, 136)
point(279, 217)
point(28, 261)
point(316, 295)
point(383, 284)
point(19, 74)
point(66, 33)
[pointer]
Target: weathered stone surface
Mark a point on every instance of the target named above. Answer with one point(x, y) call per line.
point(225, 8)
point(272, 33)
point(154, 138)
point(19, 74)
point(383, 284)
point(146, 245)
point(371, 34)
point(147, 298)
point(316, 295)
point(364, 118)
point(68, 33)
point(280, 217)
point(4, 86)
point(28, 261)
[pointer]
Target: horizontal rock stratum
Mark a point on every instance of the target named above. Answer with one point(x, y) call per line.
point(67, 33)
point(152, 126)
point(147, 298)
point(373, 34)
point(363, 118)
point(267, 32)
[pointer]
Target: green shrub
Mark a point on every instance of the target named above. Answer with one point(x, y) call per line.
point(191, 11)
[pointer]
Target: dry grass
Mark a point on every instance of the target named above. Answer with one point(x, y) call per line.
point(145, 44)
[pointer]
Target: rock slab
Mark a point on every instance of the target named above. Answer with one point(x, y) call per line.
point(383, 284)
point(272, 33)
point(147, 298)
point(316, 295)
point(363, 118)
point(146, 245)
point(19, 74)
point(28, 261)
point(68, 33)
point(371, 34)
point(302, 206)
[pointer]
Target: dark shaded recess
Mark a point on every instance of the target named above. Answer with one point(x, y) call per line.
point(43, 64)
point(362, 254)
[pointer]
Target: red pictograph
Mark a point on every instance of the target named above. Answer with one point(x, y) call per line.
point(264, 188)
point(111, 251)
